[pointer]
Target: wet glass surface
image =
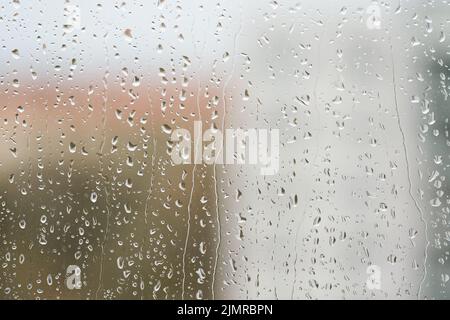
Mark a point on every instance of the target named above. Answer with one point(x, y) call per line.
point(231, 149)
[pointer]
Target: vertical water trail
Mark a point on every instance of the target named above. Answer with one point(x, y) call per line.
point(408, 172)
point(313, 162)
point(219, 229)
point(100, 153)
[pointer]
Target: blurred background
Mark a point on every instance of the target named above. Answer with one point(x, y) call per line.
point(92, 90)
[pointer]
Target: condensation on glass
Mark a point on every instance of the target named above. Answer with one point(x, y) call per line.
point(93, 205)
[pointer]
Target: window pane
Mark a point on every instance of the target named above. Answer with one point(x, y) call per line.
point(211, 150)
